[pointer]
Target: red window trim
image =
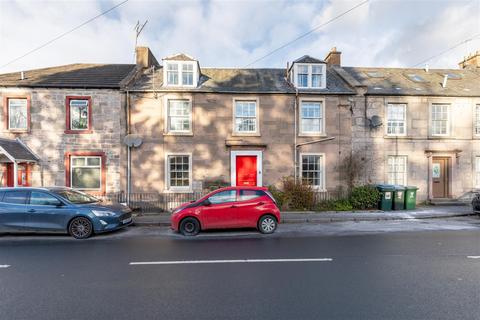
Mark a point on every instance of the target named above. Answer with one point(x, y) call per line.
point(68, 156)
point(68, 129)
point(6, 114)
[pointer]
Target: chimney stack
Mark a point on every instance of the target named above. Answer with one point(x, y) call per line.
point(334, 57)
point(145, 58)
point(471, 62)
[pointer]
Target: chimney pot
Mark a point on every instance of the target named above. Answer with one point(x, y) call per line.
point(471, 61)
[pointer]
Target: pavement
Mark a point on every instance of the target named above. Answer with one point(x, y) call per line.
point(394, 275)
point(423, 212)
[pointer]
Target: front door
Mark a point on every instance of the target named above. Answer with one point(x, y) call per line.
point(246, 167)
point(23, 175)
point(440, 177)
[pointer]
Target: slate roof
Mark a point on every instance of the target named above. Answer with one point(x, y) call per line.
point(81, 75)
point(308, 59)
point(399, 81)
point(17, 150)
point(179, 57)
point(232, 80)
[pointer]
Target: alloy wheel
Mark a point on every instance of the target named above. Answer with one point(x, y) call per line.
point(80, 228)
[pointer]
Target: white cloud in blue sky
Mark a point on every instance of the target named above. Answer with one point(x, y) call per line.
point(234, 33)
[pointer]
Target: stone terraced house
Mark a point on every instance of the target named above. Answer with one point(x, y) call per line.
point(64, 126)
point(196, 127)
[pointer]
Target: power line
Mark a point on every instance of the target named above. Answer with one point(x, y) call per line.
point(308, 32)
point(447, 50)
point(63, 34)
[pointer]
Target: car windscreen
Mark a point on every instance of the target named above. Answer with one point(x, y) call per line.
point(75, 196)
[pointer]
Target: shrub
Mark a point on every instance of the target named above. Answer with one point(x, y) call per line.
point(334, 205)
point(297, 195)
point(278, 195)
point(365, 197)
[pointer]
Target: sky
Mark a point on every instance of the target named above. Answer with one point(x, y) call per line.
point(387, 33)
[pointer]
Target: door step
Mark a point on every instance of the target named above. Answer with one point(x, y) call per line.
point(448, 202)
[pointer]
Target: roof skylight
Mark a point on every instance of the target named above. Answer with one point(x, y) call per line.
point(415, 77)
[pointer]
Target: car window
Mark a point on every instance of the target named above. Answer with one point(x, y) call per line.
point(16, 197)
point(75, 196)
point(224, 196)
point(250, 194)
point(43, 199)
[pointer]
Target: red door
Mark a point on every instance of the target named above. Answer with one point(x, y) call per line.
point(9, 174)
point(23, 175)
point(246, 170)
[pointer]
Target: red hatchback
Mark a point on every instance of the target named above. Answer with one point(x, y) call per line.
point(232, 207)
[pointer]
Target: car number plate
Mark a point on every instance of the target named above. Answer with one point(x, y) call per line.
point(126, 220)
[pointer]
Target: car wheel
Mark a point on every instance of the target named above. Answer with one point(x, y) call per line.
point(267, 224)
point(80, 228)
point(189, 227)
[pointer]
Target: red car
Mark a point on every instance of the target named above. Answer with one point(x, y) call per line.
point(232, 207)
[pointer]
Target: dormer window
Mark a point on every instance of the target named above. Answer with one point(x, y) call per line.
point(180, 71)
point(317, 76)
point(309, 73)
point(302, 76)
point(187, 74)
point(172, 74)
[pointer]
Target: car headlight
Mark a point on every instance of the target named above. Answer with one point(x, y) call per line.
point(177, 210)
point(99, 213)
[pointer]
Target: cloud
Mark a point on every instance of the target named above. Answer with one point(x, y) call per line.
point(235, 33)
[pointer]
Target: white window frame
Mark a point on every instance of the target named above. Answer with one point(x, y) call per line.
point(166, 103)
point(71, 118)
point(100, 166)
point(476, 119)
point(405, 174)
point(449, 119)
point(322, 132)
point(168, 187)
point(9, 113)
point(476, 174)
point(180, 71)
point(404, 105)
point(257, 117)
point(323, 187)
point(323, 82)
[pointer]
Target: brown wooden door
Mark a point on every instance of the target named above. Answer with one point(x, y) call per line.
point(440, 177)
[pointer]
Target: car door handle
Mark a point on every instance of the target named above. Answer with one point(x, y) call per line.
point(233, 206)
point(260, 203)
point(32, 210)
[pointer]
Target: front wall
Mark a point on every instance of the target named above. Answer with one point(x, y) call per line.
point(48, 140)
point(375, 146)
point(212, 128)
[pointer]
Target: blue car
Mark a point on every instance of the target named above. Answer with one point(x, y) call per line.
point(59, 209)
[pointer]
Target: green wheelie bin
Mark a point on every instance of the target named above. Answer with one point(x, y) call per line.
point(399, 198)
point(386, 198)
point(410, 197)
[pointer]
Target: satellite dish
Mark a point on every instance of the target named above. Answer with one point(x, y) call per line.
point(132, 140)
point(375, 122)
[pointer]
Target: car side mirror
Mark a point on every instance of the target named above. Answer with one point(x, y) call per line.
point(206, 202)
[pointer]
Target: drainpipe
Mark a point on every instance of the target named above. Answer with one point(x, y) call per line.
point(15, 173)
point(295, 160)
point(129, 157)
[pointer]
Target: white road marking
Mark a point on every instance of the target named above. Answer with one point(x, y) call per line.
point(473, 257)
point(4, 266)
point(228, 261)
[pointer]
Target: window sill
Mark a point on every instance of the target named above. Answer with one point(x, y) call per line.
point(18, 130)
point(440, 137)
point(246, 134)
point(78, 131)
point(397, 136)
point(321, 135)
point(188, 134)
